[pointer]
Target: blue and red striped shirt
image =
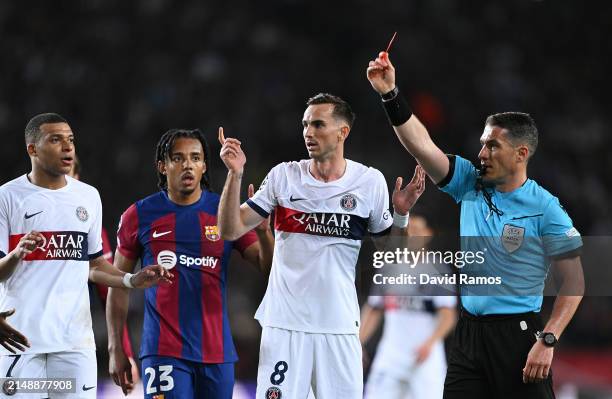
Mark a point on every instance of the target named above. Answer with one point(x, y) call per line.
point(187, 319)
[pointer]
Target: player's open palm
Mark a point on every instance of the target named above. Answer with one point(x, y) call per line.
point(404, 198)
point(150, 276)
point(381, 73)
point(10, 338)
point(28, 243)
point(231, 153)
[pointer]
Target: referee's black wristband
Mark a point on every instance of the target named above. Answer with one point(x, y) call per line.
point(396, 107)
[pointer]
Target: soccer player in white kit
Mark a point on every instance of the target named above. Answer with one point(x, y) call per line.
point(410, 361)
point(50, 245)
point(323, 208)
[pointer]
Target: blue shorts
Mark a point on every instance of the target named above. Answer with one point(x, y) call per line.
point(169, 377)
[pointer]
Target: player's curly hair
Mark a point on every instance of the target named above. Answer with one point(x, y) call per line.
point(164, 147)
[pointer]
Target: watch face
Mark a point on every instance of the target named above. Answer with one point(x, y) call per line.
point(549, 339)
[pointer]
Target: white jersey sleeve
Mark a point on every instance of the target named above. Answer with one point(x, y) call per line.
point(94, 236)
point(4, 225)
point(266, 197)
point(444, 301)
point(380, 218)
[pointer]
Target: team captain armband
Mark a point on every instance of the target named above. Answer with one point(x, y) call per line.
point(396, 107)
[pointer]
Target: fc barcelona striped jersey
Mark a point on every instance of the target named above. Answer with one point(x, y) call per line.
point(318, 227)
point(187, 319)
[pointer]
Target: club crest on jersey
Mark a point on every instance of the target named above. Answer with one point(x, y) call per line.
point(274, 393)
point(512, 237)
point(82, 214)
point(212, 233)
point(348, 202)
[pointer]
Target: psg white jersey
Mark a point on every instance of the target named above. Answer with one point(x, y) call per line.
point(318, 230)
point(48, 288)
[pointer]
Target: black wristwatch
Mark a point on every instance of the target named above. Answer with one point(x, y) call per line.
point(548, 339)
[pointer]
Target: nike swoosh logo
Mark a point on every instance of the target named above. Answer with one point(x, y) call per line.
point(87, 388)
point(296, 199)
point(32, 215)
point(156, 234)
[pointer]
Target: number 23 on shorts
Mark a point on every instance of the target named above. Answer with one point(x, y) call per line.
point(155, 385)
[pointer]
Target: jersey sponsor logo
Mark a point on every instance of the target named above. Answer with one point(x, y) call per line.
point(295, 199)
point(340, 225)
point(86, 388)
point(157, 235)
point(204, 261)
point(512, 237)
point(57, 245)
point(274, 393)
point(82, 214)
point(212, 233)
point(168, 260)
point(348, 202)
point(31, 215)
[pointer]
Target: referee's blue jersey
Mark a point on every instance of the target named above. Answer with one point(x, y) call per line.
point(517, 242)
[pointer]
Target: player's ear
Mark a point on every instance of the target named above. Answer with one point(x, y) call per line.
point(161, 167)
point(31, 149)
point(344, 132)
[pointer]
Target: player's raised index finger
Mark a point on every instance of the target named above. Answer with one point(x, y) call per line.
point(221, 135)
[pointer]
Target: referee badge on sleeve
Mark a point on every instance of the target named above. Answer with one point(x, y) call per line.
point(512, 237)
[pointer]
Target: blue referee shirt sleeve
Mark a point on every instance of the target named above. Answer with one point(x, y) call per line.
point(558, 233)
point(463, 179)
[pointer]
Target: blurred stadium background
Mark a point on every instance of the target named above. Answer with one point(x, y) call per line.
point(122, 73)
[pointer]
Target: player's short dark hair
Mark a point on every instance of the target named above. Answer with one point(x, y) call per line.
point(342, 109)
point(32, 129)
point(164, 147)
point(520, 126)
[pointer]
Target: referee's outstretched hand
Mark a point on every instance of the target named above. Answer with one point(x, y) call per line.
point(538, 363)
point(381, 73)
point(10, 338)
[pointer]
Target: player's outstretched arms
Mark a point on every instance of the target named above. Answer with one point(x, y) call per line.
point(102, 272)
point(26, 245)
point(10, 338)
point(410, 131)
point(117, 304)
point(234, 220)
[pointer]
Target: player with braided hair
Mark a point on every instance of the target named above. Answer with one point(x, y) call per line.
point(186, 346)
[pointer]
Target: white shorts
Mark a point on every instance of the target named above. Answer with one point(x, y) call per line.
point(291, 363)
point(80, 365)
point(425, 380)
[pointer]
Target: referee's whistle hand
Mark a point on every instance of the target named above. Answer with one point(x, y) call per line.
point(538, 363)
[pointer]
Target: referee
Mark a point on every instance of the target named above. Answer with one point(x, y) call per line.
point(501, 347)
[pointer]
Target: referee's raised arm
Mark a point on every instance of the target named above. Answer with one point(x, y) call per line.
point(410, 131)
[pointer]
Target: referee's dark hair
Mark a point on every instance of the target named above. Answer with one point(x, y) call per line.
point(164, 148)
point(32, 129)
point(520, 126)
point(342, 109)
